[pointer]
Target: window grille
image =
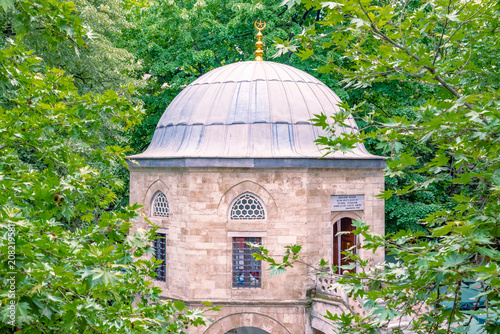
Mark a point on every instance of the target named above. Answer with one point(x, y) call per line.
point(247, 271)
point(160, 254)
point(248, 207)
point(160, 205)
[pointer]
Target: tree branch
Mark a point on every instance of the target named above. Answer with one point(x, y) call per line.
point(463, 66)
point(464, 22)
point(436, 50)
point(414, 56)
point(400, 18)
point(457, 289)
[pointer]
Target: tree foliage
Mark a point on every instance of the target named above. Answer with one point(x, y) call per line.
point(88, 48)
point(444, 146)
point(72, 263)
point(95, 60)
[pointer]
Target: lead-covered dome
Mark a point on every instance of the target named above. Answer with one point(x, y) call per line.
point(247, 110)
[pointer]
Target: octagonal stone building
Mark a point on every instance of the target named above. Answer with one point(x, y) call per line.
point(232, 160)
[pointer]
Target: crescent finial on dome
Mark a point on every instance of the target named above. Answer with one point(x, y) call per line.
point(259, 25)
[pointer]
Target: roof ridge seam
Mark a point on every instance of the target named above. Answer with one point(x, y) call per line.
point(234, 123)
point(254, 80)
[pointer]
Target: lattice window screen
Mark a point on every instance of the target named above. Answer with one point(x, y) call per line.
point(247, 207)
point(160, 205)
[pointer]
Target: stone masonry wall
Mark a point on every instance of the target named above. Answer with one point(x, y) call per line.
point(199, 240)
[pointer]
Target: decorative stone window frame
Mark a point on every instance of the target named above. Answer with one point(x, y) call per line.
point(153, 189)
point(238, 198)
point(246, 228)
point(226, 201)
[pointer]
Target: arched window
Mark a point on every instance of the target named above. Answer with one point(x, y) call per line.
point(247, 207)
point(159, 206)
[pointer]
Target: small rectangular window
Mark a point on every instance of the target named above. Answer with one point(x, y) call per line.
point(160, 246)
point(247, 272)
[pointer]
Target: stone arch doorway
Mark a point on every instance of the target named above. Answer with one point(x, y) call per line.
point(247, 330)
point(247, 321)
point(342, 242)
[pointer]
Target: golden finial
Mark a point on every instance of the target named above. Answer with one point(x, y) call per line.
point(259, 25)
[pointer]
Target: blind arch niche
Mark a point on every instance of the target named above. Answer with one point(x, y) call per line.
point(247, 206)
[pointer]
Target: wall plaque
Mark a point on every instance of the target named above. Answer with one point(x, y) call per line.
point(348, 202)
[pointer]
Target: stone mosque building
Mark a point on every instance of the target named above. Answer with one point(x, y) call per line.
point(233, 160)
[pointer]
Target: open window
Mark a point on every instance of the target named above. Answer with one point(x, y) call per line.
point(343, 239)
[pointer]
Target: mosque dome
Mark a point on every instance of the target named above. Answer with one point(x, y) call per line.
point(246, 112)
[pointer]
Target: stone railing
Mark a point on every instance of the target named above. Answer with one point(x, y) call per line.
point(325, 288)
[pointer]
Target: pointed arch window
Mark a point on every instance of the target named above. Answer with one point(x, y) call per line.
point(247, 207)
point(159, 206)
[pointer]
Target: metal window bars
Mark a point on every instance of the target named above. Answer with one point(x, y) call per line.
point(247, 272)
point(160, 254)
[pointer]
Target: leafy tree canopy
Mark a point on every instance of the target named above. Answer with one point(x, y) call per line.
point(71, 264)
point(445, 146)
point(90, 49)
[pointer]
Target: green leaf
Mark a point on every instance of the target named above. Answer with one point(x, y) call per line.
point(305, 53)
point(489, 252)
point(179, 305)
point(22, 313)
point(386, 194)
point(7, 5)
point(109, 278)
point(443, 230)
point(276, 270)
point(360, 22)
point(296, 249)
